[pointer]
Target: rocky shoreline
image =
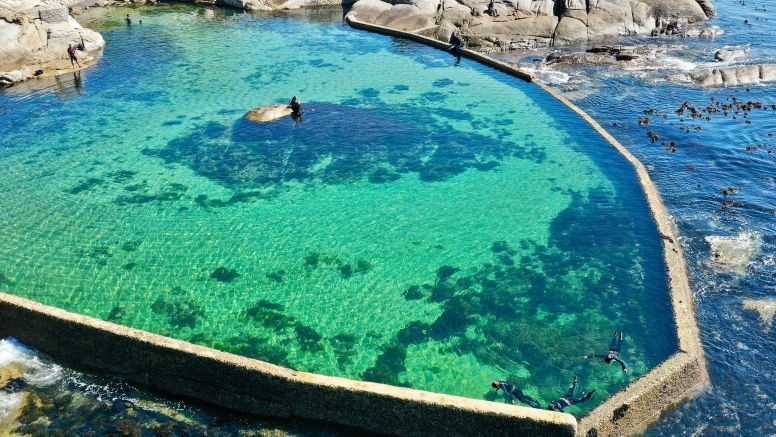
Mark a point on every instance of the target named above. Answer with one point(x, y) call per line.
point(529, 24)
point(34, 37)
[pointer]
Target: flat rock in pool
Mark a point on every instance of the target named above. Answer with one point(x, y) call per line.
point(268, 113)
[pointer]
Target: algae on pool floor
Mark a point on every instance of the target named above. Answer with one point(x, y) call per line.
point(428, 223)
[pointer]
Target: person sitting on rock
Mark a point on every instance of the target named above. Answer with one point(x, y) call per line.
point(614, 352)
point(568, 400)
point(491, 9)
point(457, 42)
point(128, 20)
point(295, 106)
point(514, 393)
point(71, 54)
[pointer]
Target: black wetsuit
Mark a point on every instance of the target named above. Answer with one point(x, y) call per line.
point(568, 400)
point(515, 393)
point(614, 351)
point(128, 20)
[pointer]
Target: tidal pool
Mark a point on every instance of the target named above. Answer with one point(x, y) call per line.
point(429, 222)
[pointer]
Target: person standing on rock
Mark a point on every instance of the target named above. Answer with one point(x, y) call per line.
point(614, 352)
point(73, 58)
point(568, 400)
point(128, 20)
point(514, 393)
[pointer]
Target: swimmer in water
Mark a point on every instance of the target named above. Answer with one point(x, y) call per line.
point(614, 352)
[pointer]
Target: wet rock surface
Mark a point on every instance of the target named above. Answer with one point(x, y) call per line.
point(268, 113)
point(728, 76)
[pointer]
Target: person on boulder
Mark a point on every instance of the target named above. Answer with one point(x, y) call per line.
point(568, 400)
point(295, 106)
point(514, 393)
point(71, 54)
point(491, 9)
point(614, 352)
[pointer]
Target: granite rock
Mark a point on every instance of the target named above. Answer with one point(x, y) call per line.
point(536, 23)
point(35, 34)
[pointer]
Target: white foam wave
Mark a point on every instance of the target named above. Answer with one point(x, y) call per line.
point(36, 371)
point(9, 405)
point(552, 76)
point(734, 254)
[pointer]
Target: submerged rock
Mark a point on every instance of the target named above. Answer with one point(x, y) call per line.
point(734, 254)
point(268, 113)
point(765, 307)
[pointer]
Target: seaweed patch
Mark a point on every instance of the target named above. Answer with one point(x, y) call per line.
point(387, 143)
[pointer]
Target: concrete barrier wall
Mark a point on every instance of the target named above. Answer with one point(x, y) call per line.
point(253, 386)
point(683, 374)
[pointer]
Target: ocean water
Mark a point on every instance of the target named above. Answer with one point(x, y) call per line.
point(428, 222)
point(728, 234)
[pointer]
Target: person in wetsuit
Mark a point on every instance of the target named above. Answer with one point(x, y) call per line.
point(295, 106)
point(514, 393)
point(71, 54)
point(568, 400)
point(128, 20)
point(614, 352)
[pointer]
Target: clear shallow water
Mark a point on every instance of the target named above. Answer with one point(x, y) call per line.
point(403, 232)
point(738, 341)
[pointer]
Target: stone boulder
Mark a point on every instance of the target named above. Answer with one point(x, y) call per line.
point(727, 55)
point(537, 23)
point(730, 76)
point(35, 34)
point(268, 113)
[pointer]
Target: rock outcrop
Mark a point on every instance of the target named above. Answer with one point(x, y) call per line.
point(727, 55)
point(267, 113)
point(35, 34)
point(515, 24)
point(728, 76)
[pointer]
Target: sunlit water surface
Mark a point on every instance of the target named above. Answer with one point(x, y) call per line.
point(428, 223)
point(730, 250)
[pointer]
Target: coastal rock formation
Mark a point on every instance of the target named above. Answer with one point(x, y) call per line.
point(515, 24)
point(34, 35)
point(728, 76)
point(727, 55)
point(268, 113)
point(765, 307)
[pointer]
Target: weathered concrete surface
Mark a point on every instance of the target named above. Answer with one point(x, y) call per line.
point(35, 34)
point(522, 24)
point(253, 386)
point(643, 401)
point(268, 113)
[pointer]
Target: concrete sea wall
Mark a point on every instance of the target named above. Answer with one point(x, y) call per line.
point(252, 386)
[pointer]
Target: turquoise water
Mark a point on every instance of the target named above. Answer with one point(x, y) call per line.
point(428, 223)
